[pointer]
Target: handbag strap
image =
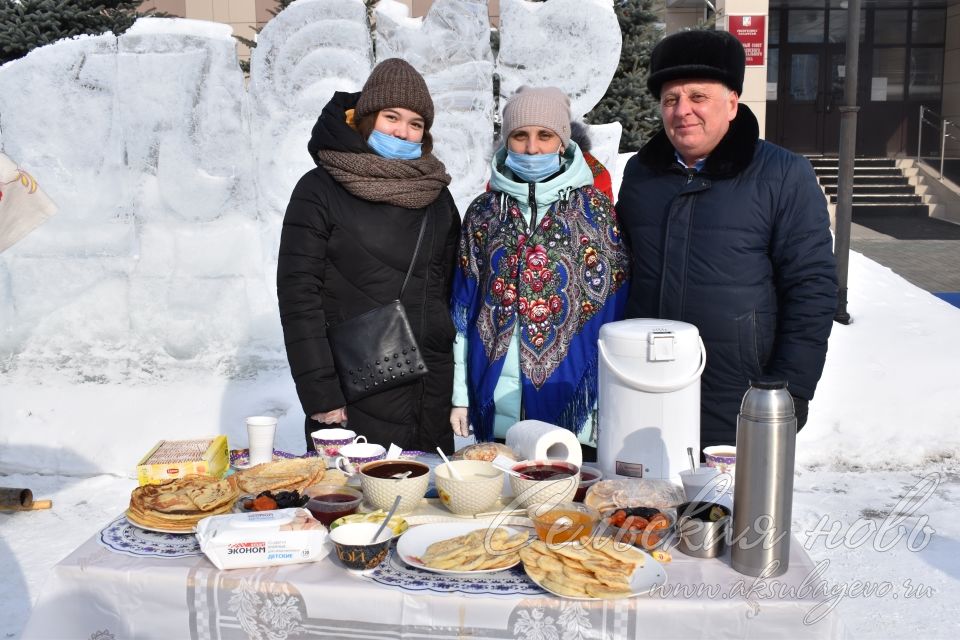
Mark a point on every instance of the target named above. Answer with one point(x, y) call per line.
point(416, 250)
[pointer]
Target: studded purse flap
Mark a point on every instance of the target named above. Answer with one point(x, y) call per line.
point(377, 350)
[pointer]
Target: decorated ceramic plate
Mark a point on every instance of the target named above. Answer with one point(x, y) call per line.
point(397, 574)
point(122, 536)
point(642, 580)
point(240, 458)
point(397, 524)
point(414, 543)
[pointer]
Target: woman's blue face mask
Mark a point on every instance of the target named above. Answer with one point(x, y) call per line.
point(393, 148)
point(533, 168)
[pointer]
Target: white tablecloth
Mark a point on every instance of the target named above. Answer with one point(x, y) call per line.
point(125, 583)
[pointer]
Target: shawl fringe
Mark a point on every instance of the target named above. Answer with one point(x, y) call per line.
point(460, 313)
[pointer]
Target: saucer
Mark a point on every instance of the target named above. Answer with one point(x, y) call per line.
point(240, 458)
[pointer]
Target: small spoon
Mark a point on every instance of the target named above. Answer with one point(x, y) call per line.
point(401, 476)
point(506, 465)
point(456, 474)
point(396, 503)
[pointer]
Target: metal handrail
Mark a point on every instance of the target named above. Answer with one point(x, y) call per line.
point(943, 126)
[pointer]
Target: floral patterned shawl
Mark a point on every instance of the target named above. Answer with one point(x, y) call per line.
point(557, 286)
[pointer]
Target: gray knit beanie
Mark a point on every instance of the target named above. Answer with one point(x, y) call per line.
point(546, 107)
point(395, 83)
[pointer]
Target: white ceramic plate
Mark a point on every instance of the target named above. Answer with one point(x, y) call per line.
point(642, 581)
point(157, 529)
point(415, 541)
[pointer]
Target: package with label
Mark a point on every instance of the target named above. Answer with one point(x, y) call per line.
point(170, 459)
point(262, 538)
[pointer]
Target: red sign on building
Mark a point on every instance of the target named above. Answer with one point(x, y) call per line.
point(750, 31)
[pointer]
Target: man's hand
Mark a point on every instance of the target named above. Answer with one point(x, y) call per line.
point(459, 421)
point(337, 416)
point(800, 409)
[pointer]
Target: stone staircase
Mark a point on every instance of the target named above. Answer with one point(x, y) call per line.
point(880, 186)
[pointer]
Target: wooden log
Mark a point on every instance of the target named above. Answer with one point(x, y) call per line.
point(14, 499)
point(38, 505)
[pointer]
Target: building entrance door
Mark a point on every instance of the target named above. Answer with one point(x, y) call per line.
point(810, 97)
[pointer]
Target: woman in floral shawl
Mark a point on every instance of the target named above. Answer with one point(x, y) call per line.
point(542, 267)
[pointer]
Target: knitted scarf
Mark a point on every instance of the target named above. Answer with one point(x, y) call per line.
point(556, 287)
point(411, 184)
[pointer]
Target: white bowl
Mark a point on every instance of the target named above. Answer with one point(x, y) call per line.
point(530, 492)
point(477, 492)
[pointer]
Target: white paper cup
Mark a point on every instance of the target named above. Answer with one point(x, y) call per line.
point(704, 485)
point(260, 433)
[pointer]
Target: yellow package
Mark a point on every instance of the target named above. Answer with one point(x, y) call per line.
point(170, 459)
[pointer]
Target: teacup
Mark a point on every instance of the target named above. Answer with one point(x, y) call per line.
point(722, 457)
point(329, 441)
point(357, 453)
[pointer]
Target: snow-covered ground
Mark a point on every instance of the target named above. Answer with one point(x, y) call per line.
point(877, 487)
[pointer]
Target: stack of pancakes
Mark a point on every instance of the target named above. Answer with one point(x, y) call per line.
point(294, 474)
point(178, 505)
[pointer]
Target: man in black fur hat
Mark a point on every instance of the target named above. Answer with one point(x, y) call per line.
point(727, 232)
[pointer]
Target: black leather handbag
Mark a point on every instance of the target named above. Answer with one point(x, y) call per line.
point(377, 350)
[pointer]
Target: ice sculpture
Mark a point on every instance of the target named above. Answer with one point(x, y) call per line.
point(307, 52)
point(571, 44)
point(144, 140)
point(451, 48)
point(150, 296)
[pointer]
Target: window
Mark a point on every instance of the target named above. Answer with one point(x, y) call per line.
point(805, 25)
point(890, 27)
point(926, 73)
point(928, 26)
point(886, 82)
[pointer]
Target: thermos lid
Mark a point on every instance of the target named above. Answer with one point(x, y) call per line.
point(767, 399)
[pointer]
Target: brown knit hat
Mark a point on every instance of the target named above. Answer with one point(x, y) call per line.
point(395, 83)
point(539, 107)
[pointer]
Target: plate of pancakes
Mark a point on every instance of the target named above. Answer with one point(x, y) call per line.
point(598, 568)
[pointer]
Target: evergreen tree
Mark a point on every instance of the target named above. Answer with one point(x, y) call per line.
point(28, 24)
point(252, 44)
point(627, 99)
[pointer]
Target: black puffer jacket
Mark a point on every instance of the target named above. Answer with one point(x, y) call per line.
point(743, 251)
point(341, 256)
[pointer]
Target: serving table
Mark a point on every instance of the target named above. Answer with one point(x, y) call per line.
point(128, 583)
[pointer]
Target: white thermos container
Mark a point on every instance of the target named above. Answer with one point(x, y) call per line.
point(649, 397)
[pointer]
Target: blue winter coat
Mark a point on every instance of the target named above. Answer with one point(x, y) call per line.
point(743, 251)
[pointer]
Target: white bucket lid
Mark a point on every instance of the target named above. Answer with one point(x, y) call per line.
point(652, 355)
point(638, 330)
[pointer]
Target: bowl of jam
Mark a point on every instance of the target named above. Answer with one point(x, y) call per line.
point(556, 523)
point(544, 481)
point(589, 476)
point(330, 501)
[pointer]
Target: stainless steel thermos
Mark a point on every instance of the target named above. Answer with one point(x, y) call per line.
point(763, 491)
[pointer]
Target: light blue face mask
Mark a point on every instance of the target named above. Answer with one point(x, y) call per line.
point(533, 168)
point(393, 148)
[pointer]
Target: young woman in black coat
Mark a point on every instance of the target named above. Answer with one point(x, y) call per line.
point(348, 237)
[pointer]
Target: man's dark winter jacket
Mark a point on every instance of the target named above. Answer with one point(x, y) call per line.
point(743, 251)
point(341, 256)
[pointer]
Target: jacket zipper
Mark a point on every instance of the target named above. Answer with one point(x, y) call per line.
point(532, 202)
